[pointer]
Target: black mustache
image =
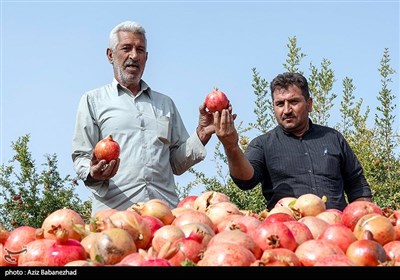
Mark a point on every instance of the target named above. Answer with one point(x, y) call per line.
point(288, 116)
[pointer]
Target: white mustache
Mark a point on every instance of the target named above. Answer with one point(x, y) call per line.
point(131, 63)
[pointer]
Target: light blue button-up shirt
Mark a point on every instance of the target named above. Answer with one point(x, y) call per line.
point(154, 143)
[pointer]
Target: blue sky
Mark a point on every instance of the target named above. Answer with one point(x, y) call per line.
point(54, 51)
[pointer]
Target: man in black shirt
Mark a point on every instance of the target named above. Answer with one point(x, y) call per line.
point(297, 156)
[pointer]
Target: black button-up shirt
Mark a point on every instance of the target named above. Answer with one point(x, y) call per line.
point(321, 162)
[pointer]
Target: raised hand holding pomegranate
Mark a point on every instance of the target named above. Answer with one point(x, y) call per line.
point(107, 149)
point(216, 100)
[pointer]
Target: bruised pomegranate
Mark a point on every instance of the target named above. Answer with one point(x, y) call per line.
point(66, 219)
point(380, 228)
point(107, 149)
point(366, 252)
point(204, 231)
point(216, 101)
point(205, 199)
point(278, 256)
point(111, 246)
point(356, 209)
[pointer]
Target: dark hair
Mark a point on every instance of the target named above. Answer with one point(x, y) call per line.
point(289, 79)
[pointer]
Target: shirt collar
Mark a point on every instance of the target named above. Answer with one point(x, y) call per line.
point(144, 88)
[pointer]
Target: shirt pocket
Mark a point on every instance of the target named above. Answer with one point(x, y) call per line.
point(164, 129)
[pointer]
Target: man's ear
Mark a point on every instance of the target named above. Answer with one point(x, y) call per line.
point(109, 54)
point(309, 104)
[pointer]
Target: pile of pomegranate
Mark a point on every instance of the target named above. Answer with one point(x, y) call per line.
point(209, 230)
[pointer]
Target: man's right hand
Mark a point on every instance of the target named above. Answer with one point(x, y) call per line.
point(225, 128)
point(101, 170)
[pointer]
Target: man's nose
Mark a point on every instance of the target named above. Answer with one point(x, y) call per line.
point(133, 53)
point(287, 108)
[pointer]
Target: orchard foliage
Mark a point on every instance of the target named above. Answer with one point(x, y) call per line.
point(377, 147)
point(28, 195)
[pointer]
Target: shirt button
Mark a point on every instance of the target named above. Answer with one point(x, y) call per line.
point(309, 170)
point(306, 154)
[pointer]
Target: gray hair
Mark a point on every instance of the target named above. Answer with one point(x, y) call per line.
point(129, 26)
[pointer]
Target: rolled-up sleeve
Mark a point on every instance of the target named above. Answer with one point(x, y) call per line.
point(85, 136)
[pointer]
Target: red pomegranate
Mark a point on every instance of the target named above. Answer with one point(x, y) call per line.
point(107, 149)
point(274, 235)
point(366, 252)
point(216, 101)
point(226, 254)
point(312, 251)
point(15, 244)
point(392, 250)
point(300, 231)
point(338, 234)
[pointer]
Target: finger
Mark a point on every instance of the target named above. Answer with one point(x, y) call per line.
point(234, 116)
point(202, 108)
point(225, 118)
point(93, 159)
point(216, 118)
point(115, 167)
